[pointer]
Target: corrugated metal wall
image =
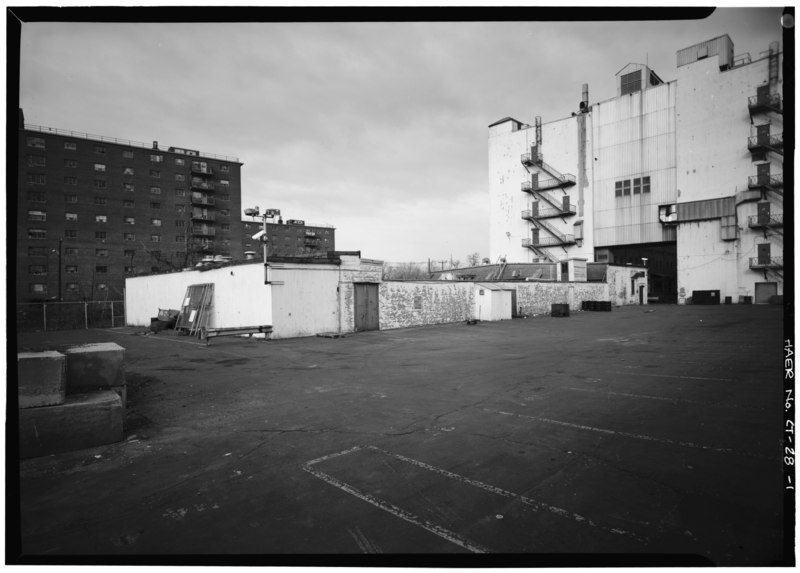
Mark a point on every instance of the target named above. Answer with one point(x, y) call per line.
point(709, 209)
point(634, 137)
point(721, 46)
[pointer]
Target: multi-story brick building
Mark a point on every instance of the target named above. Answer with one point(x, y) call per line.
point(92, 210)
point(292, 239)
point(684, 177)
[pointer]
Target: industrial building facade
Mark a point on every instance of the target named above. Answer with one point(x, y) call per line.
point(93, 210)
point(684, 177)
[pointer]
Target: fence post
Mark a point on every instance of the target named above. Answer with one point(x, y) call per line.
point(112, 314)
point(44, 315)
point(86, 315)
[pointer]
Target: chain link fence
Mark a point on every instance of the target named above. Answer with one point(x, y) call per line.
point(33, 317)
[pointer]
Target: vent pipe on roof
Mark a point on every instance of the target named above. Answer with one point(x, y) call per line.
point(584, 98)
point(538, 124)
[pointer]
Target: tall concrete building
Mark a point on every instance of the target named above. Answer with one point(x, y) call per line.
point(92, 210)
point(684, 177)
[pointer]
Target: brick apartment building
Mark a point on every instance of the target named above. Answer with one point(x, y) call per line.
point(92, 210)
point(293, 239)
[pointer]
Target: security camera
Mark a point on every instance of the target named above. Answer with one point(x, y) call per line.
point(258, 235)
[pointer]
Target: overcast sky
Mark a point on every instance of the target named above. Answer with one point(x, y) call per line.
point(379, 129)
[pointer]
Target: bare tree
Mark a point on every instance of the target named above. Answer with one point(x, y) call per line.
point(473, 259)
point(405, 271)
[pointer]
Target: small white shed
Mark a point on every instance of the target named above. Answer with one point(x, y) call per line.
point(492, 302)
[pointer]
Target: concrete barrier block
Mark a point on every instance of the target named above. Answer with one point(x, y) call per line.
point(41, 378)
point(82, 421)
point(94, 366)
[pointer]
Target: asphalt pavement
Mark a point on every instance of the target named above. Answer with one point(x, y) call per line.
point(645, 435)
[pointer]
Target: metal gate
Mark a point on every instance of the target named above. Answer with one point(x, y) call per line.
point(195, 308)
point(366, 306)
point(765, 291)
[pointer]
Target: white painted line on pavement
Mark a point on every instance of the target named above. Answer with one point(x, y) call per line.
point(628, 435)
point(645, 396)
point(336, 455)
point(446, 534)
point(505, 493)
point(436, 529)
point(672, 376)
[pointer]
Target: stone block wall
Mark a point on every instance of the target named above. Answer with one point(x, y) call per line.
point(404, 304)
point(538, 297)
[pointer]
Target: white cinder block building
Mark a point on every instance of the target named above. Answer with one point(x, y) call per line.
point(684, 177)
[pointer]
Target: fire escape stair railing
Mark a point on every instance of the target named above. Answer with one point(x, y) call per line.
point(537, 248)
point(531, 214)
point(758, 263)
point(765, 222)
point(766, 182)
point(536, 191)
point(565, 239)
point(762, 144)
point(765, 103)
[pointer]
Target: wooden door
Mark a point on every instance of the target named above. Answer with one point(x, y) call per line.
point(366, 306)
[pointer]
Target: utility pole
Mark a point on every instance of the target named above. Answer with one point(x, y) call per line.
point(60, 244)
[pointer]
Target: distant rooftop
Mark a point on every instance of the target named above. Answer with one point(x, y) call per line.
point(153, 146)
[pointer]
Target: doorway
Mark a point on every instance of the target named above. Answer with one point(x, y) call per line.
point(765, 291)
point(366, 306)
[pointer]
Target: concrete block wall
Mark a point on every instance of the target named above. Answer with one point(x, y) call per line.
point(42, 379)
point(82, 421)
point(70, 401)
point(404, 304)
point(93, 367)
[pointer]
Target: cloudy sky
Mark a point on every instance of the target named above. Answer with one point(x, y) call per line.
point(376, 128)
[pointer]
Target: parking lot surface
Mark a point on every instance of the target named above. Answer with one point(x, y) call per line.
point(646, 432)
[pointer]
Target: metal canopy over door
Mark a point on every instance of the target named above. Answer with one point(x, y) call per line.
point(366, 306)
point(765, 291)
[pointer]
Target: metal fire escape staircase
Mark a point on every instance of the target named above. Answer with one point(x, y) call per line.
point(550, 208)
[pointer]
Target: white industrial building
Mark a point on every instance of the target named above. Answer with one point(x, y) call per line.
point(684, 177)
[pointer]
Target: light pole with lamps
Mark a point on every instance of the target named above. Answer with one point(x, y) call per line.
point(262, 235)
point(60, 243)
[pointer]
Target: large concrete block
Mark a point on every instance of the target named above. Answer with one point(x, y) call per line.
point(41, 378)
point(95, 367)
point(82, 421)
